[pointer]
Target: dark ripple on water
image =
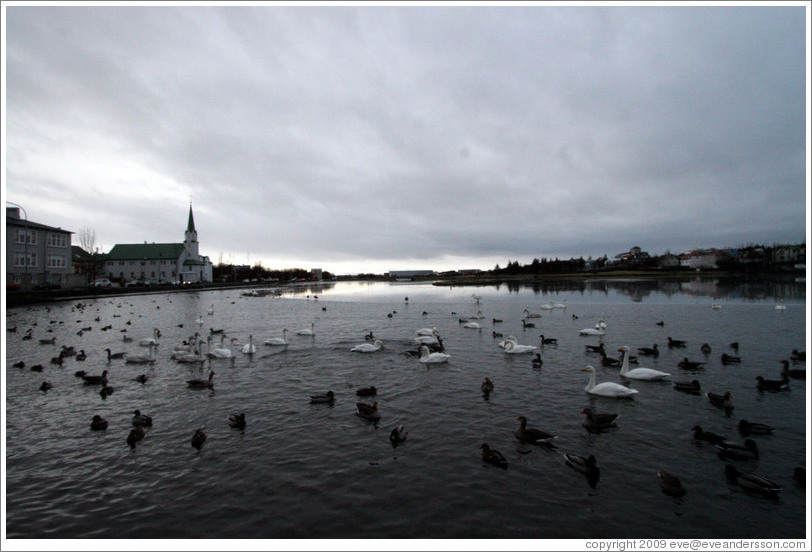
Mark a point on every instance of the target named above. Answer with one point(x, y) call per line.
point(301, 470)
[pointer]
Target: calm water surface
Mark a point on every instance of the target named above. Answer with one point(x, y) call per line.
point(300, 470)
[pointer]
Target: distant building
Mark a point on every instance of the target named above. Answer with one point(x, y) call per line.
point(36, 253)
point(703, 258)
point(411, 274)
point(160, 262)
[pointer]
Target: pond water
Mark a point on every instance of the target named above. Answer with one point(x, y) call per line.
point(300, 470)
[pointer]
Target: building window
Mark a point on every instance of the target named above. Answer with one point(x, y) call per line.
point(57, 240)
point(56, 261)
point(22, 236)
point(19, 259)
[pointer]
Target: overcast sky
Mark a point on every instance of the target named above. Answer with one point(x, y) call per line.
point(368, 138)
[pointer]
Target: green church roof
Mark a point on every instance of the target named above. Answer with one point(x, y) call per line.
point(137, 251)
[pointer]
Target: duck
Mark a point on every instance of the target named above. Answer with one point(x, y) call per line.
point(237, 421)
point(486, 387)
point(672, 343)
point(249, 348)
point(201, 383)
point(730, 359)
point(710, 437)
point(326, 398)
point(607, 389)
point(46, 385)
point(652, 351)
point(141, 378)
point(772, 385)
point(724, 401)
point(368, 411)
point(106, 390)
point(198, 439)
point(432, 358)
point(608, 361)
point(80, 373)
point(751, 481)
point(51, 341)
point(513, 348)
point(537, 362)
point(797, 356)
point(67, 351)
point(20, 364)
point(37, 368)
point(135, 435)
point(526, 324)
point(754, 428)
point(308, 331)
point(96, 380)
point(141, 419)
point(532, 436)
point(111, 355)
point(548, 340)
point(81, 356)
point(734, 345)
point(142, 359)
point(493, 457)
point(584, 464)
point(398, 435)
point(146, 342)
point(686, 364)
point(738, 451)
point(367, 391)
point(598, 421)
point(278, 341)
point(646, 374)
point(705, 348)
point(787, 372)
point(98, 423)
point(595, 348)
point(691, 387)
point(377, 345)
point(670, 484)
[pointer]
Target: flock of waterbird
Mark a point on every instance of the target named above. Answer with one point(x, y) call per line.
point(430, 350)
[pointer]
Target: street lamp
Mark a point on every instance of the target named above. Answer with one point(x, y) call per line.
point(25, 243)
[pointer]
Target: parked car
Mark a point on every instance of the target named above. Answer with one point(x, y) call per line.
point(102, 283)
point(47, 286)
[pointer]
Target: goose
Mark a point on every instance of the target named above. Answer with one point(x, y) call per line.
point(308, 331)
point(772, 385)
point(598, 421)
point(135, 435)
point(106, 390)
point(691, 387)
point(98, 423)
point(526, 324)
point(368, 411)
point(548, 340)
point(670, 484)
point(432, 358)
point(201, 383)
point(787, 372)
point(237, 421)
point(493, 457)
point(368, 347)
point(709, 436)
point(607, 388)
point(146, 342)
point(278, 341)
point(647, 374)
point(398, 435)
point(734, 345)
point(724, 401)
point(595, 348)
point(730, 359)
point(46, 385)
point(222, 352)
point(754, 428)
point(587, 465)
point(367, 391)
point(532, 436)
point(96, 380)
point(486, 387)
point(528, 314)
point(736, 451)
point(652, 351)
point(751, 481)
point(198, 439)
point(686, 364)
point(599, 329)
point(249, 348)
point(111, 355)
point(141, 419)
point(609, 361)
point(141, 359)
point(675, 343)
point(326, 398)
point(67, 351)
point(513, 348)
point(537, 362)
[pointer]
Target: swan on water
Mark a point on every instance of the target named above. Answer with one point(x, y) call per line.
point(514, 348)
point(607, 388)
point(368, 347)
point(278, 340)
point(249, 348)
point(648, 374)
point(427, 357)
point(308, 331)
point(599, 329)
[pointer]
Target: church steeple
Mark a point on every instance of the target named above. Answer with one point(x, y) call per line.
point(190, 241)
point(190, 227)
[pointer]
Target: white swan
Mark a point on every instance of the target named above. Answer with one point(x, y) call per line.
point(249, 348)
point(222, 352)
point(275, 341)
point(192, 357)
point(150, 340)
point(368, 347)
point(514, 348)
point(561, 305)
point(141, 359)
point(508, 339)
point(648, 374)
point(780, 305)
point(478, 316)
point(428, 331)
point(607, 388)
point(472, 325)
point(427, 357)
point(548, 306)
point(426, 340)
point(599, 329)
point(311, 331)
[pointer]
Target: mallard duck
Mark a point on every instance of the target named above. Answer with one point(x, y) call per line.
point(98, 423)
point(787, 372)
point(672, 343)
point(487, 386)
point(686, 364)
point(237, 421)
point(691, 387)
point(368, 411)
point(723, 401)
point(202, 384)
point(730, 359)
point(708, 436)
point(141, 419)
point(751, 481)
point(367, 391)
point(738, 451)
point(493, 457)
point(754, 428)
point(326, 398)
point(598, 421)
point(398, 435)
point(587, 465)
point(772, 385)
point(135, 435)
point(198, 439)
point(532, 436)
point(670, 485)
point(96, 380)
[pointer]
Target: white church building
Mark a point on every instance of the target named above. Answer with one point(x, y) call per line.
point(160, 262)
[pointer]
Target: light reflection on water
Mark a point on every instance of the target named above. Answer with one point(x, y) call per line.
point(318, 471)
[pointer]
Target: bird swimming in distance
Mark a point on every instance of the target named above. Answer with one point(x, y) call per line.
point(237, 421)
point(751, 481)
point(787, 372)
point(709, 436)
point(141, 419)
point(398, 435)
point(198, 439)
point(548, 340)
point(652, 351)
point(98, 423)
point(646, 374)
point(111, 355)
point(135, 435)
point(46, 385)
point(607, 388)
point(686, 364)
point(587, 465)
point(738, 451)
point(278, 341)
point(532, 436)
point(670, 484)
point(672, 343)
point(537, 362)
point(772, 385)
point(201, 383)
point(598, 421)
point(754, 428)
point(705, 348)
point(730, 359)
point(724, 401)
point(368, 411)
point(326, 398)
point(427, 357)
point(96, 380)
point(377, 345)
point(493, 457)
point(486, 387)
point(691, 387)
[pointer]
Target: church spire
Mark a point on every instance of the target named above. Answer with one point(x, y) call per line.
point(191, 226)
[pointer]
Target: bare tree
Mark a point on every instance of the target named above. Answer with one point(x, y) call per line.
point(87, 239)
